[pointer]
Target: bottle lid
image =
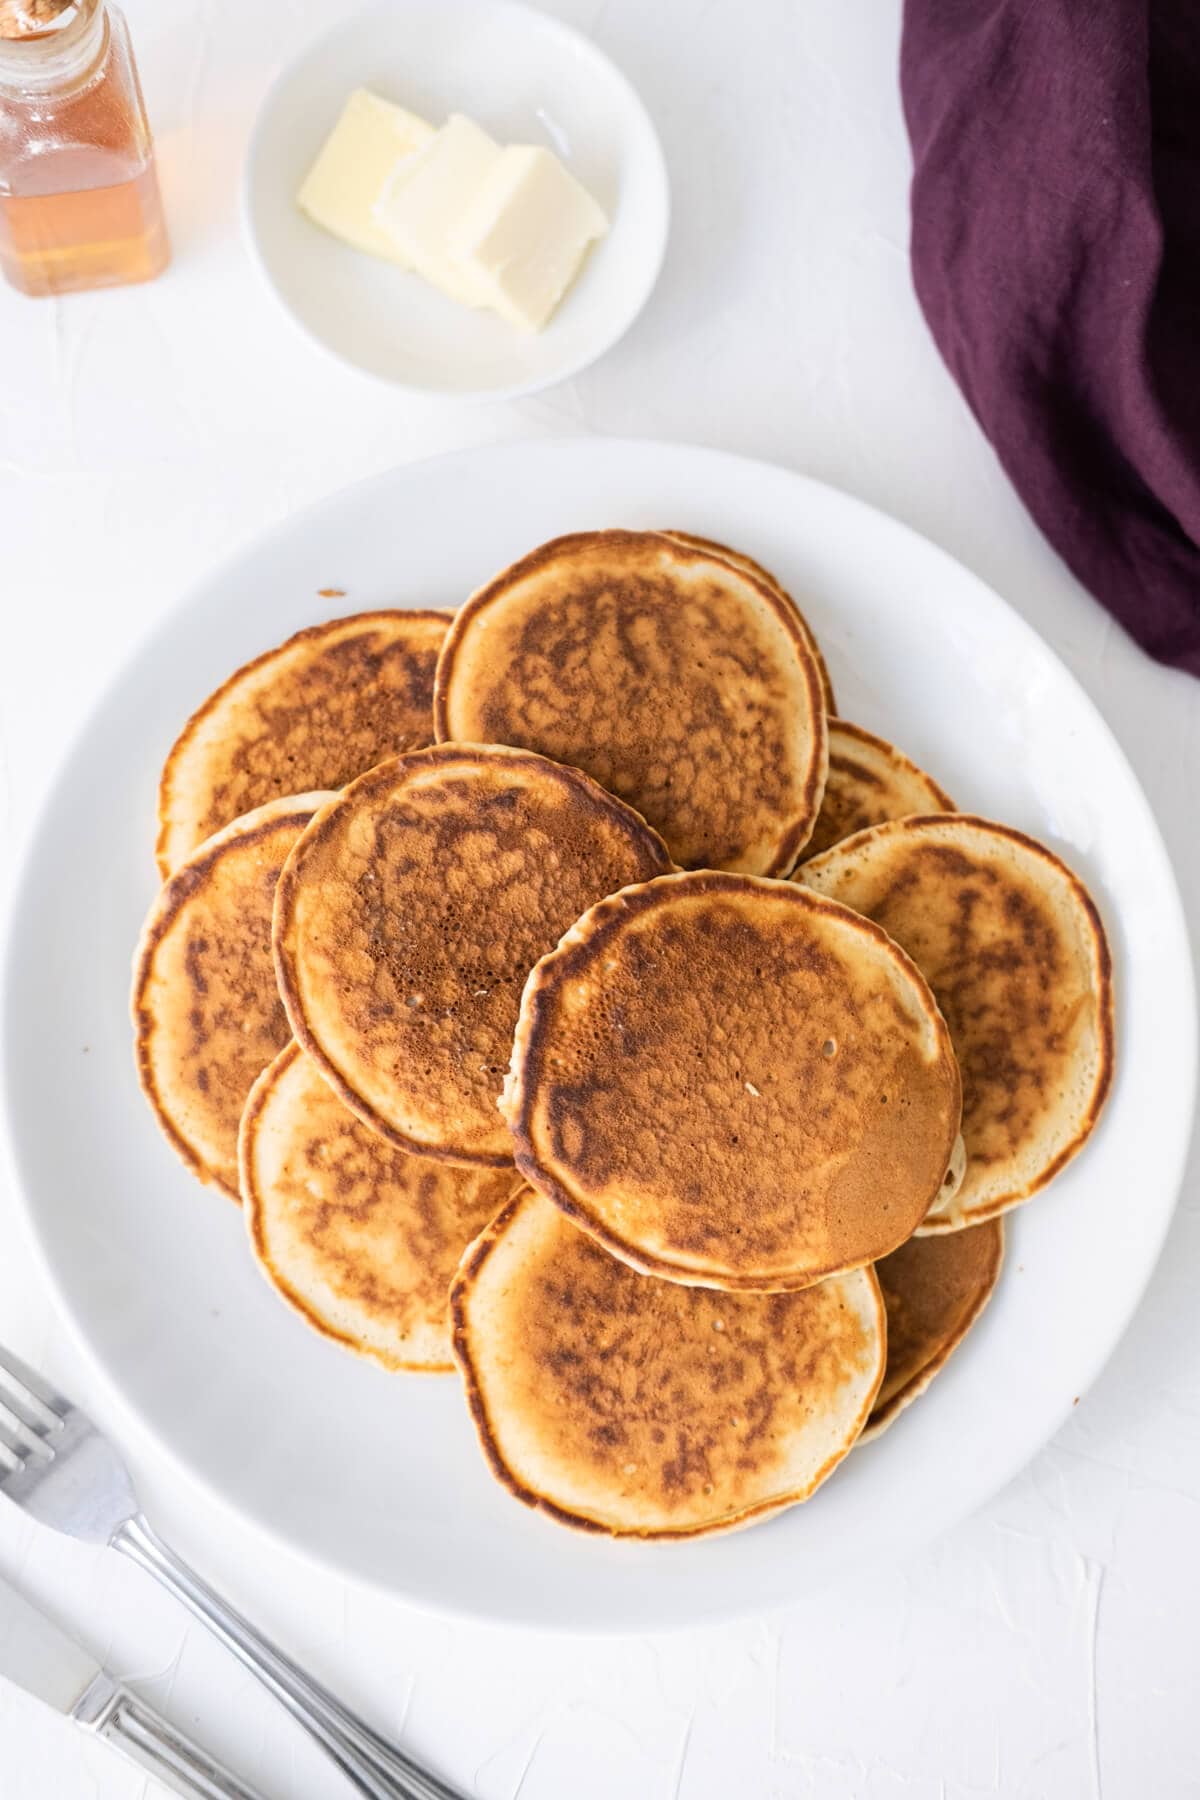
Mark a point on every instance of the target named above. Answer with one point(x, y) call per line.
point(34, 18)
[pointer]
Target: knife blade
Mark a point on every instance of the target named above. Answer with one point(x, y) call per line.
point(37, 1655)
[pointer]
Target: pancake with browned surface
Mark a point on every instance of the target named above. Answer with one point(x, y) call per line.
point(728, 1089)
point(1012, 945)
point(934, 1289)
point(206, 1012)
point(361, 1239)
point(870, 781)
point(410, 913)
point(740, 560)
point(681, 683)
point(638, 1408)
point(313, 713)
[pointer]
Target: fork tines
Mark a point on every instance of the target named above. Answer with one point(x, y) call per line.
point(18, 1438)
point(27, 1384)
point(30, 1410)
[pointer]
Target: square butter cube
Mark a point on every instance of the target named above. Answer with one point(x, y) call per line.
point(429, 194)
point(342, 188)
point(525, 234)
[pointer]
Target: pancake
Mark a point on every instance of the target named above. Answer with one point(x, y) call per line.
point(934, 1289)
point(740, 560)
point(206, 1012)
point(410, 913)
point(730, 1090)
point(639, 1408)
point(313, 713)
point(679, 682)
point(870, 781)
point(362, 1240)
point(1012, 946)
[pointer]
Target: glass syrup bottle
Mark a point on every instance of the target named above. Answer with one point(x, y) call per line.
point(79, 199)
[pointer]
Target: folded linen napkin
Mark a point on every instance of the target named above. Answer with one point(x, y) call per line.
point(1056, 256)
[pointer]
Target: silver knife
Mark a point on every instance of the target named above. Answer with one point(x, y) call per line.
point(39, 1657)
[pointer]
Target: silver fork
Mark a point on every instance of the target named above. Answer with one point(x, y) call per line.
point(59, 1468)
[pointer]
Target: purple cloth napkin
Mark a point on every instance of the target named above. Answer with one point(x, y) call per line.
point(1056, 256)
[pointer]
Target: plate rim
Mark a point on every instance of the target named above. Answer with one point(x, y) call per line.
point(670, 1616)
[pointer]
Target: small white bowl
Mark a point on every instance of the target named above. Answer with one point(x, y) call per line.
point(526, 78)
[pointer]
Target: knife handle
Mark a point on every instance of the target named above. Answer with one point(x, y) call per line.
point(119, 1717)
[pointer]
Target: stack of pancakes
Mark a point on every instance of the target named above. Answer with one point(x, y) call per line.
point(572, 998)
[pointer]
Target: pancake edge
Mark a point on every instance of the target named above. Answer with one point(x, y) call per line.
point(714, 547)
point(1105, 1005)
point(282, 924)
point(860, 732)
point(878, 1422)
point(163, 912)
point(473, 1260)
point(252, 1211)
point(516, 1102)
point(178, 750)
point(795, 835)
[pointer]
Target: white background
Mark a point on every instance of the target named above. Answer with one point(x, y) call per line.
point(1051, 1645)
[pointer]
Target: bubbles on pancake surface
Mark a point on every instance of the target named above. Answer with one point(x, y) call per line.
point(311, 714)
point(440, 878)
point(1015, 953)
point(671, 1093)
point(207, 1014)
point(623, 1404)
point(683, 684)
point(359, 1238)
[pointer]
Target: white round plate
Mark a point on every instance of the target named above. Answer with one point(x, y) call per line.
point(380, 1474)
point(527, 79)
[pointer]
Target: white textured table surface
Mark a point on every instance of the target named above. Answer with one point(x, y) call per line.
point(1051, 1645)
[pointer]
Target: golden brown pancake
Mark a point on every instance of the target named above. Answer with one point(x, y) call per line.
point(206, 1012)
point(410, 913)
point(679, 682)
point(1012, 946)
point(361, 1239)
point(313, 713)
point(934, 1289)
point(638, 1408)
point(740, 560)
point(728, 1089)
point(869, 782)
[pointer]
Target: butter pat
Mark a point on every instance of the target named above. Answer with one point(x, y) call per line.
point(523, 234)
point(427, 196)
point(370, 141)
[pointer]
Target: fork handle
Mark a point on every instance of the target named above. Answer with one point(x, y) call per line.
point(378, 1769)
